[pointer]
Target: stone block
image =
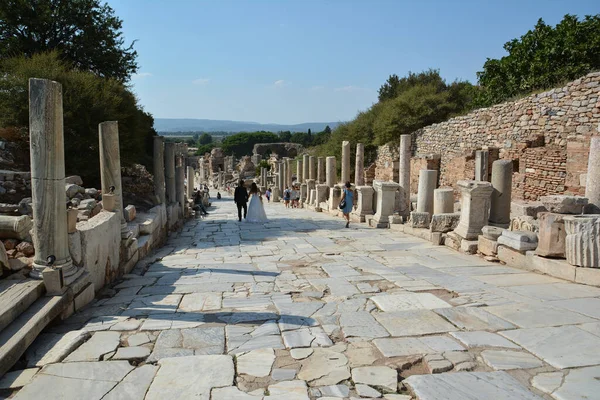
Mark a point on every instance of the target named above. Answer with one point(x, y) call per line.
point(521, 208)
point(395, 219)
point(491, 232)
point(563, 204)
point(582, 243)
point(588, 276)
point(75, 247)
point(487, 246)
point(521, 236)
point(84, 297)
point(513, 258)
point(444, 222)
point(53, 281)
point(469, 246)
point(437, 238)
point(129, 213)
point(419, 219)
point(552, 235)
point(516, 244)
point(74, 179)
point(557, 268)
point(525, 223)
point(453, 240)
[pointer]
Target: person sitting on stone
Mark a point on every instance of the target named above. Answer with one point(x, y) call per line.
point(198, 206)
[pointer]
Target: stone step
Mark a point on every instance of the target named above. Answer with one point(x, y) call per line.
point(16, 297)
point(19, 335)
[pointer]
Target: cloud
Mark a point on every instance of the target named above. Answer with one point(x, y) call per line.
point(350, 88)
point(201, 81)
point(315, 88)
point(141, 75)
point(279, 83)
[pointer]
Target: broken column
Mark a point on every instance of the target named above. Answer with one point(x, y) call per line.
point(190, 183)
point(582, 242)
point(288, 170)
point(110, 168)
point(481, 165)
point(592, 185)
point(310, 186)
point(170, 172)
point(443, 201)
point(305, 168)
point(46, 141)
point(551, 236)
point(364, 203)
point(502, 187)
point(359, 166)
point(427, 184)
point(322, 194)
point(386, 199)
point(159, 169)
point(303, 193)
point(475, 204)
point(404, 173)
point(320, 170)
point(312, 171)
point(180, 183)
point(331, 172)
point(345, 162)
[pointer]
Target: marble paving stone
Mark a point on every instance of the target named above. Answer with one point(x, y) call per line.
point(135, 385)
point(593, 328)
point(584, 306)
point(177, 377)
point(361, 324)
point(335, 391)
point(195, 302)
point(138, 339)
point(283, 374)
point(288, 390)
point(483, 339)
point(379, 376)
point(367, 391)
point(256, 362)
point(199, 341)
point(547, 382)
point(326, 366)
point(290, 322)
point(232, 393)
point(473, 318)
point(535, 315)
point(100, 344)
point(49, 348)
point(505, 360)
point(583, 383)
point(517, 279)
point(152, 305)
point(17, 379)
point(306, 337)
point(413, 323)
point(131, 353)
point(397, 347)
point(556, 291)
point(300, 354)
point(469, 386)
point(408, 301)
point(561, 347)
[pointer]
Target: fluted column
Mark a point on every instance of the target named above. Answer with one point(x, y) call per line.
point(312, 172)
point(47, 153)
point(320, 170)
point(404, 173)
point(299, 171)
point(345, 161)
point(305, 167)
point(190, 183)
point(170, 172)
point(359, 166)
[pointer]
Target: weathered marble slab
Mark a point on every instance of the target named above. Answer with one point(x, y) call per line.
point(413, 323)
point(483, 339)
point(473, 318)
point(396, 347)
point(408, 301)
point(535, 315)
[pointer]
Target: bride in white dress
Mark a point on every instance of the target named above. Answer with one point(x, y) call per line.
point(256, 210)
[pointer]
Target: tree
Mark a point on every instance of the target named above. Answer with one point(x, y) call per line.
point(285, 136)
point(242, 144)
point(86, 33)
point(205, 138)
point(262, 164)
point(327, 129)
point(543, 58)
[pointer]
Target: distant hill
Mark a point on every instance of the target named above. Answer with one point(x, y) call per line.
point(211, 125)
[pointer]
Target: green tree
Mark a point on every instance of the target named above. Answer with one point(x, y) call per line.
point(205, 138)
point(285, 136)
point(87, 33)
point(543, 58)
point(87, 100)
point(262, 164)
point(242, 144)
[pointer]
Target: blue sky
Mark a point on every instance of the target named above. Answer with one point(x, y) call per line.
point(298, 61)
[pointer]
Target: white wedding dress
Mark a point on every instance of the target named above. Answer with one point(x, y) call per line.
point(256, 211)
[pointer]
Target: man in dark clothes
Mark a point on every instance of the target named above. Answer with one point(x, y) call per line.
point(241, 199)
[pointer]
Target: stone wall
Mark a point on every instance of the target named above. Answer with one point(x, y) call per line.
point(546, 135)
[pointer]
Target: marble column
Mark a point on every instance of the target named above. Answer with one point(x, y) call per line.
point(284, 169)
point(320, 170)
point(190, 183)
point(179, 182)
point(427, 184)
point(475, 204)
point(159, 169)
point(443, 201)
point(46, 141)
point(359, 166)
point(364, 203)
point(305, 168)
point(170, 172)
point(288, 172)
point(502, 188)
point(481, 165)
point(310, 185)
point(386, 199)
point(322, 194)
point(280, 176)
point(110, 168)
point(345, 162)
point(335, 196)
point(303, 192)
point(299, 171)
point(404, 173)
point(582, 240)
point(312, 172)
point(331, 172)
point(592, 184)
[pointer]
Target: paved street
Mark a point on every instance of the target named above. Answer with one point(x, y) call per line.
point(301, 308)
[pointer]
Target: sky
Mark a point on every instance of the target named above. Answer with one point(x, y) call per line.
point(294, 61)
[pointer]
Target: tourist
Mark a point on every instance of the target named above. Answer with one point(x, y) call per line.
point(240, 198)
point(293, 195)
point(297, 197)
point(346, 203)
point(287, 194)
point(218, 195)
point(268, 195)
point(198, 206)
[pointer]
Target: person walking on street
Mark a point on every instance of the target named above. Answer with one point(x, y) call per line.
point(287, 194)
point(240, 197)
point(346, 204)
